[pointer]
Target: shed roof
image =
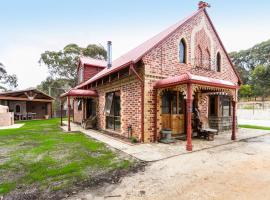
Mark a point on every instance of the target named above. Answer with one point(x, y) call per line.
point(22, 94)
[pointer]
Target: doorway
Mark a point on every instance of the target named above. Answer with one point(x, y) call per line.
point(173, 112)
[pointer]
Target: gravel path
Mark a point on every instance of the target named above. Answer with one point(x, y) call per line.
point(236, 171)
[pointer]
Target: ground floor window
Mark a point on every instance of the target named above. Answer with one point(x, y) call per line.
point(219, 106)
point(226, 106)
point(213, 111)
point(113, 110)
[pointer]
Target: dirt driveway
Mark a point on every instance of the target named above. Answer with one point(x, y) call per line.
point(236, 171)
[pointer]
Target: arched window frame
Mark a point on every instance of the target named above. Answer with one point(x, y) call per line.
point(218, 62)
point(182, 51)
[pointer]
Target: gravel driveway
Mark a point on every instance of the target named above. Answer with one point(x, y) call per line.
point(239, 170)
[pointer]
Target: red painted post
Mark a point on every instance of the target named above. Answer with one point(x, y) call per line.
point(189, 112)
point(61, 113)
point(69, 113)
point(234, 121)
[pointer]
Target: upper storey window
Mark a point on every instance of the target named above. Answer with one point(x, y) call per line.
point(218, 62)
point(182, 51)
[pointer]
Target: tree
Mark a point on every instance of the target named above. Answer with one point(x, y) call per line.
point(54, 88)
point(246, 91)
point(63, 64)
point(247, 60)
point(261, 80)
point(6, 79)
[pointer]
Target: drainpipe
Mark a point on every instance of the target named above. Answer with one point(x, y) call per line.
point(142, 100)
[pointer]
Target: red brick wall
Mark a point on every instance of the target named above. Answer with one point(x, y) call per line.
point(130, 95)
point(163, 61)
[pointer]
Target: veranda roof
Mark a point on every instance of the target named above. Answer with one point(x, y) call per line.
point(196, 79)
point(80, 93)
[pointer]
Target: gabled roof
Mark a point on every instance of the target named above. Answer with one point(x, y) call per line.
point(21, 93)
point(92, 62)
point(192, 78)
point(137, 53)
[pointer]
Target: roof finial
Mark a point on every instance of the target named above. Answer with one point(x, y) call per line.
point(203, 4)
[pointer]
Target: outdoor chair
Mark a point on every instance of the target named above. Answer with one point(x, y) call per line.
point(203, 127)
point(90, 123)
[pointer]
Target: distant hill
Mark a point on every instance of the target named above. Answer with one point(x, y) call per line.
point(247, 60)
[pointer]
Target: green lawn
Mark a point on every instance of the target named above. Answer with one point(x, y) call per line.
point(254, 127)
point(40, 155)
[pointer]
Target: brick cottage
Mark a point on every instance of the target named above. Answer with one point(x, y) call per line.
point(161, 84)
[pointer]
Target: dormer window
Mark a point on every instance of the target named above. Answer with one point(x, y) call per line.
point(182, 51)
point(218, 67)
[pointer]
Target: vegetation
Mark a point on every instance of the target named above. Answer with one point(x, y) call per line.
point(39, 155)
point(6, 79)
point(254, 127)
point(62, 66)
point(254, 67)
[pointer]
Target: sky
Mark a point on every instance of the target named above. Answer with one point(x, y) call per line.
point(30, 27)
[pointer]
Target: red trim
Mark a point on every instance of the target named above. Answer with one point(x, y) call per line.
point(233, 137)
point(186, 78)
point(69, 129)
point(80, 93)
point(189, 112)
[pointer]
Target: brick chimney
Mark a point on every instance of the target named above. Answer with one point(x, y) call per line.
point(203, 4)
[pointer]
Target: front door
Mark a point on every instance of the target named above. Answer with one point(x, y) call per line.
point(173, 112)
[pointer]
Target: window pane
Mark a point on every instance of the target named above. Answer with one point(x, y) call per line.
point(212, 106)
point(226, 107)
point(182, 52)
point(109, 122)
point(108, 104)
point(117, 123)
point(166, 104)
point(174, 103)
point(181, 104)
point(79, 104)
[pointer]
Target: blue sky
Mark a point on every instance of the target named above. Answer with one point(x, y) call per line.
point(30, 27)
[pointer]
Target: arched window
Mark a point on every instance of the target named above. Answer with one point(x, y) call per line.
point(218, 62)
point(18, 108)
point(182, 51)
point(198, 58)
point(207, 59)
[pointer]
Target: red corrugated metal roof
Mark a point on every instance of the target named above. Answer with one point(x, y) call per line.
point(93, 62)
point(80, 93)
point(191, 78)
point(137, 53)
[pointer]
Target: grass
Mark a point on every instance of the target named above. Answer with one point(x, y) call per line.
point(254, 127)
point(40, 155)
